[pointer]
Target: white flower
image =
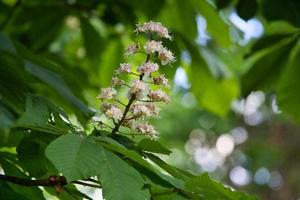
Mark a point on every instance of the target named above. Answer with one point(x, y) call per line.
point(148, 68)
point(115, 81)
point(107, 93)
point(140, 110)
point(114, 113)
point(158, 95)
point(105, 107)
point(147, 129)
point(166, 56)
point(153, 46)
point(138, 88)
point(155, 27)
point(160, 80)
point(132, 49)
point(124, 68)
point(154, 110)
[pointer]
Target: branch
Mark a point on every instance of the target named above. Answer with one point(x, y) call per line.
point(52, 180)
point(131, 100)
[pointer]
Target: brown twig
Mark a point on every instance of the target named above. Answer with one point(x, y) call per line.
point(50, 181)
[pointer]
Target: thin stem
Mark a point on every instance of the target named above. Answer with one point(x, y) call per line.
point(50, 181)
point(120, 102)
point(134, 74)
point(126, 85)
point(106, 125)
point(127, 108)
point(131, 100)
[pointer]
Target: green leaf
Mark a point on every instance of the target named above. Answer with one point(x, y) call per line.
point(215, 25)
point(37, 116)
point(7, 118)
point(153, 146)
point(110, 59)
point(177, 173)
point(31, 153)
point(54, 80)
point(246, 9)
point(169, 197)
point(117, 178)
point(6, 44)
point(10, 168)
point(14, 81)
point(208, 189)
point(265, 66)
point(289, 86)
point(37, 18)
point(92, 39)
point(281, 10)
point(213, 94)
point(180, 16)
point(9, 194)
point(135, 157)
point(78, 157)
point(10, 138)
point(42, 69)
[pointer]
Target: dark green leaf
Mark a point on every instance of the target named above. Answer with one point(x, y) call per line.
point(6, 44)
point(10, 168)
point(264, 66)
point(289, 87)
point(43, 116)
point(92, 39)
point(31, 152)
point(153, 146)
point(246, 9)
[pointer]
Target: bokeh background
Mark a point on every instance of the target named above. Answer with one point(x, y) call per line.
point(235, 105)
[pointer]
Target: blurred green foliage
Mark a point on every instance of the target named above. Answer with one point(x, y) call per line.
point(56, 55)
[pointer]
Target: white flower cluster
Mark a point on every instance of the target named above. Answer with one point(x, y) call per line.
point(142, 99)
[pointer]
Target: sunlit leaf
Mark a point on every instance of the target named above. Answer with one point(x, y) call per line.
point(153, 146)
point(78, 157)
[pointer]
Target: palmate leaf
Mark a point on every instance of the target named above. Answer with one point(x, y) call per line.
point(78, 157)
point(138, 159)
point(196, 187)
point(42, 115)
point(43, 70)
